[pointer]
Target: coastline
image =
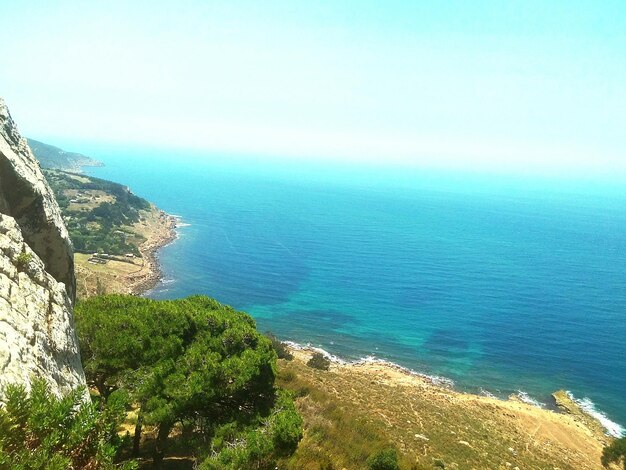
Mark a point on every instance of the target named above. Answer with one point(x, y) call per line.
point(151, 273)
point(390, 373)
point(136, 276)
point(430, 419)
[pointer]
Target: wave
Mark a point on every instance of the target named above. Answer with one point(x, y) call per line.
point(526, 398)
point(155, 290)
point(435, 379)
point(589, 407)
point(612, 428)
point(309, 347)
point(175, 238)
point(182, 224)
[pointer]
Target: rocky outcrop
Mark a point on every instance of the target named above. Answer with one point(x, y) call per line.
point(26, 196)
point(37, 336)
point(37, 284)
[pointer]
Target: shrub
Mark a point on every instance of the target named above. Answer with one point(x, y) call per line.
point(614, 453)
point(282, 351)
point(319, 361)
point(41, 431)
point(258, 447)
point(22, 261)
point(386, 459)
point(286, 375)
point(286, 425)
point(251, 450)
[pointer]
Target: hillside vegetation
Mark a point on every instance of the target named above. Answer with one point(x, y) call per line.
point(53, 157)
point(197, 372)
point(204, 389)
point(99, 214)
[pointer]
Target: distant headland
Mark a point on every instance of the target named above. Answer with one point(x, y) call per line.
point(115, 233)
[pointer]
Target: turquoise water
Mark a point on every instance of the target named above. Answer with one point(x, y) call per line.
point(499, 287)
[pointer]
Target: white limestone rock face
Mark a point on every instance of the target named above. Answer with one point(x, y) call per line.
point(37, 336)
point(37, 284)
point(26, 196)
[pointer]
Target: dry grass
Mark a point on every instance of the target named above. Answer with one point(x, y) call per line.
point(90, 199)
point(351, 412)
point(94, 279)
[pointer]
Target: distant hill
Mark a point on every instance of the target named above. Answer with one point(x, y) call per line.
point(100, 215)
point(58, 159)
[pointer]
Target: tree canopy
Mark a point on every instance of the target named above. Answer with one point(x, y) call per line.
point(190, 360)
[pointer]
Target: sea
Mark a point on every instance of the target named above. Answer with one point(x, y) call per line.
point(500, 284)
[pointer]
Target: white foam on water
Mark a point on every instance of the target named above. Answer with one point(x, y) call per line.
point(435, 379)
point(526, 398)
point(589, 407)
point(171, 242)
point(155, 290)
point(310, 347)
point(611, 427)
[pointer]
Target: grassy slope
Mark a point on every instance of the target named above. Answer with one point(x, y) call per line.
point(99, 214)
point(351, 412)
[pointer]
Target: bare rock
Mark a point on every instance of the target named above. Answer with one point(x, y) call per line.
point(37, 284)
point(26, 196)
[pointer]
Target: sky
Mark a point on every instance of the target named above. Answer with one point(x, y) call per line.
point(519, 86)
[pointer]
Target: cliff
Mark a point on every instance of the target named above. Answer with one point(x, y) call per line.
point(37, 283)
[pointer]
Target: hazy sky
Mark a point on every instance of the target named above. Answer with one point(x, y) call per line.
point(533, 85)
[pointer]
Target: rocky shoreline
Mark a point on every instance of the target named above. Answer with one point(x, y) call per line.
point(151, 273)
point(416, 408)
point(395, 374)
point(134, 276)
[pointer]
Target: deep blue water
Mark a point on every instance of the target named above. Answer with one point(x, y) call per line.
point(500, 288)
